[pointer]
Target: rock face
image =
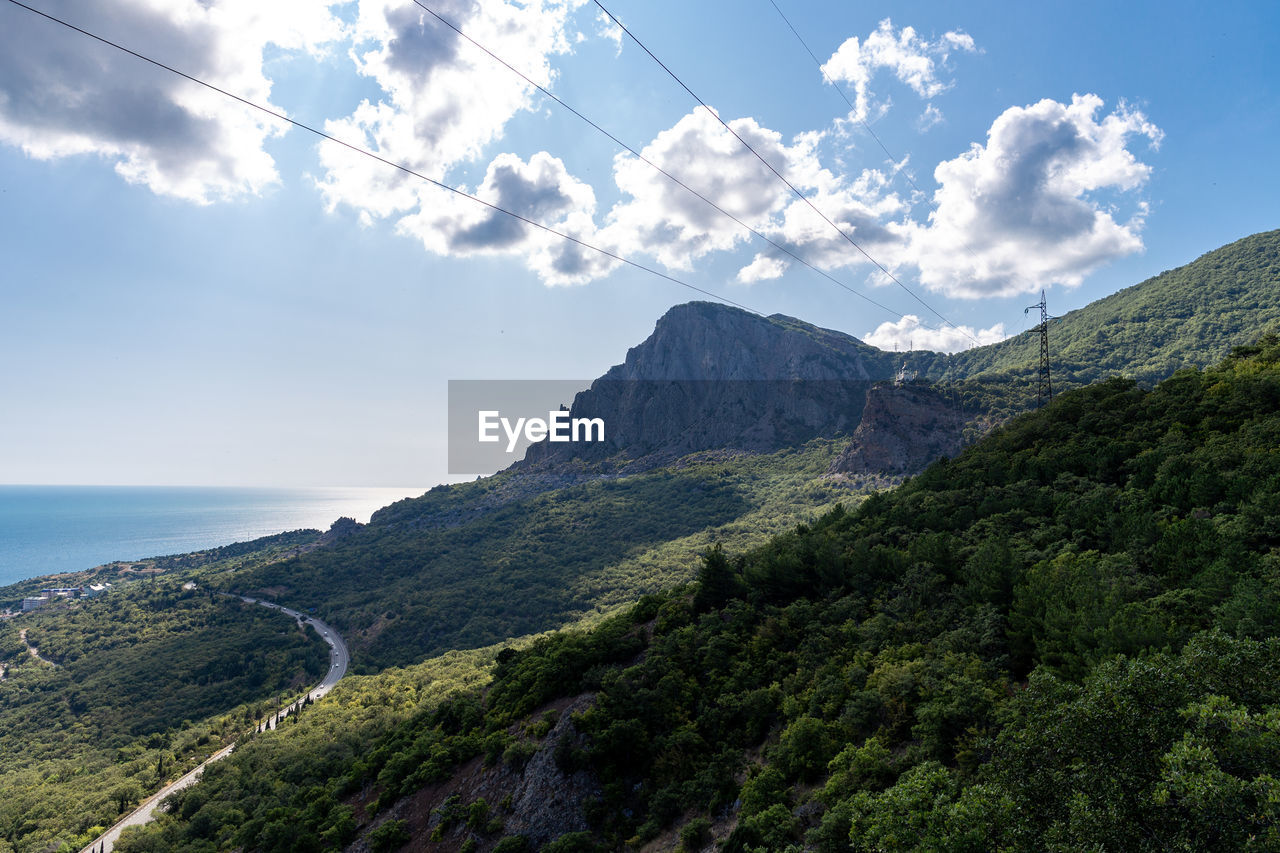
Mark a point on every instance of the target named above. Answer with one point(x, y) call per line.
point(706, 341)
point(903, 429)
point(717, 378)
point(538, 801)
point(547, 802)
point(340, 529)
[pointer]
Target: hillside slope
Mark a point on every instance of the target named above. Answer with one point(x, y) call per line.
point(1187, 317)
point(1070, 634)
point(736, 397)
point(471, 565)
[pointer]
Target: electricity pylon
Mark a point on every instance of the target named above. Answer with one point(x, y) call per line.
point(1045, 390)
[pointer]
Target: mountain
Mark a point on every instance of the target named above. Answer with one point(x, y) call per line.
point(1067, 635)
point(723, 428)
point(712, 376)
point(1066, 632)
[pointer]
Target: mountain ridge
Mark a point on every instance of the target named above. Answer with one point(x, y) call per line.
point(713, 376)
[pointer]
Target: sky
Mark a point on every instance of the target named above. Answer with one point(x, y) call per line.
point(197, 293)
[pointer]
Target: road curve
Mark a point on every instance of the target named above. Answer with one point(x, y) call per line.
point(338, 661)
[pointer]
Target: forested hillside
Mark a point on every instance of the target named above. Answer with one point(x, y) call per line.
point(474, 564)
point(471, 565)
point(891, 674)
point(1188, 317)
point(131, 689)
point(1067, 636)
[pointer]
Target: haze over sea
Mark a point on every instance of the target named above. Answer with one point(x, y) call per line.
point(47, 529)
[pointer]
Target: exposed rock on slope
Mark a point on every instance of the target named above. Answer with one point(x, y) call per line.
point(711, 378)
point(903, 429)
point(538, 801)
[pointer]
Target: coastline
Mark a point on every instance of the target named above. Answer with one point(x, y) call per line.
point(48, 531)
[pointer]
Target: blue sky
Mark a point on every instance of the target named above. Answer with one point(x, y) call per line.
point(194, 294)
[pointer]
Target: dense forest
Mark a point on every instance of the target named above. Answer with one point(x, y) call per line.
point(1067, 637)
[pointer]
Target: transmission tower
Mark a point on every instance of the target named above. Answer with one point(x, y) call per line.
point(1045, 390)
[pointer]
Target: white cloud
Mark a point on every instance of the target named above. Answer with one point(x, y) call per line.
point(662, 220)
point(908, 333)
point(1015, 215)
point(665, 221)
point(63, 95)
point(541, 191)
point(444, 100)
point(1025, 210)
point(930, 117)
point(1033, 206)
point(607, 29)
point(913, 60)
point(762, 268)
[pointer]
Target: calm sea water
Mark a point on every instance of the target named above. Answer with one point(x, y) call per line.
point(46, 529)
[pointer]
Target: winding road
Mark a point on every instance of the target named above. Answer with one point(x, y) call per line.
point(338, 660)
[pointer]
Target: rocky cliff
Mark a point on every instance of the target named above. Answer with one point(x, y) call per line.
point(712, 377)
point(903, 429)
point(718, 378)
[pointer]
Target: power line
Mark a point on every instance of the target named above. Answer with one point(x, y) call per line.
point(780, 176)
point(840, 92)
point(867, 127)
point(399, 166)
point(655, 166)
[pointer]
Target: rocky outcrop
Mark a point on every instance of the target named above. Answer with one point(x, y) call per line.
point(537, 800)
point(903, 429)
point(547, 802)
point(711, 342)
point(340, 529)
point(713, 378)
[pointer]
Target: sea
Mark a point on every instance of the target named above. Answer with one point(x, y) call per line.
point(49, 529)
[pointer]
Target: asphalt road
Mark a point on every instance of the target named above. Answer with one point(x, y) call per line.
point(338, 661)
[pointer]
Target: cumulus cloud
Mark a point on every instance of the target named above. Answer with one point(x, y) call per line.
point(62, 95)
point(444, 102)
point(540, 190)
point(911, 59)
point(762, 268)
point(443, 99)
point(1032, 207)
point(909, 333)
point(1037, 204)
point(665, 221)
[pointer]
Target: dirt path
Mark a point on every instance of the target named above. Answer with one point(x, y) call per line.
point(35, 652)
